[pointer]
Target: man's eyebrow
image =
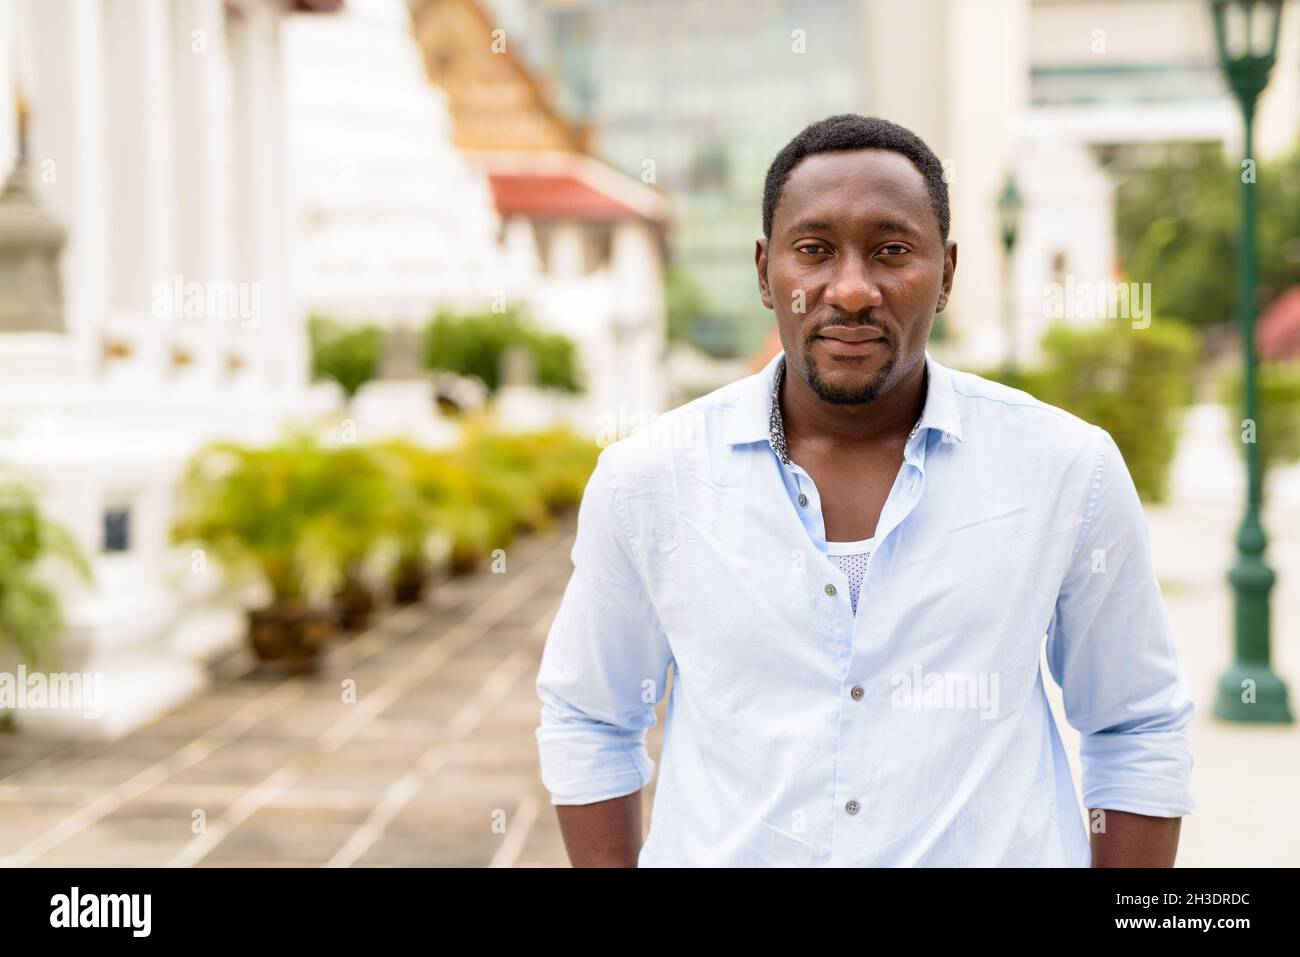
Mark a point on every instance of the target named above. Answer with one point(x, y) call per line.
point(812, 226)
point(895, 226)
point(879, 226)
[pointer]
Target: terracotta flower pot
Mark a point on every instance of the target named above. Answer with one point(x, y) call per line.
point(408, 583)
point(290, 637)
point(465, 560)
point(353, 604)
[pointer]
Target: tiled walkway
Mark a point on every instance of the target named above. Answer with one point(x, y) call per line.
point(434, 764)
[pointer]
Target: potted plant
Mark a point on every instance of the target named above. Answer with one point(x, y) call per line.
point(270, 510)
point(557, 461)
point(435, 504)
point(371, 505)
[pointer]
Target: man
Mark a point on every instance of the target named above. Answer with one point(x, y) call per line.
point(852, 560)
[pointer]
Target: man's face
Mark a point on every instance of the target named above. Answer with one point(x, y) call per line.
point(855, 270)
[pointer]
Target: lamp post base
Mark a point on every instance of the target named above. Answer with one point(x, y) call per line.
point(1252, 691)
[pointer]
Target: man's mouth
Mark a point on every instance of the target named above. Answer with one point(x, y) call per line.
point(851, 333)
point(851, 341)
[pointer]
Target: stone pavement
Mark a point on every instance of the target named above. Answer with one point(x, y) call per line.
point(435, 764)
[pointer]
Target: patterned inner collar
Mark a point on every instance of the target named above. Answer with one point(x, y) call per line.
point(776, 425)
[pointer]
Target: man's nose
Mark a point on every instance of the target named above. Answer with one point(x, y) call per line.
point(852, 289)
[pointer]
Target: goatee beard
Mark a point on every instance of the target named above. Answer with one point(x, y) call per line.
point(837, 396)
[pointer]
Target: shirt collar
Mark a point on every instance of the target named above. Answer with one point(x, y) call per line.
point(757, 413)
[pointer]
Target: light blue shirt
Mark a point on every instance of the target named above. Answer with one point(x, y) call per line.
point(916, 733)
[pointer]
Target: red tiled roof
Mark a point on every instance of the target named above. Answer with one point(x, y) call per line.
point(555, 196)
point(1277, 336)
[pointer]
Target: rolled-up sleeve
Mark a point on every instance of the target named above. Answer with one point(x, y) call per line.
point(1110, 648)
point(605, 662)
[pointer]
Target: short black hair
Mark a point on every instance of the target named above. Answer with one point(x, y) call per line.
point(851, 131)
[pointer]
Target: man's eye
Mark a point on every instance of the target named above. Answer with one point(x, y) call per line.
point(895, 249)
point(811, 249)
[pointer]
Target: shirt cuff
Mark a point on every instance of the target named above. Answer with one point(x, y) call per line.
point(1141, 773)
point(590, 764)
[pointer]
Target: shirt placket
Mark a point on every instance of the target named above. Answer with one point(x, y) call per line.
point(851, 790)
point(857, 761)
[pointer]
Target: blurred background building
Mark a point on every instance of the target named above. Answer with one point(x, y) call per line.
point(1063, 95)
point(156, 143)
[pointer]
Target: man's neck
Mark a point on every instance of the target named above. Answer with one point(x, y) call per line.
point(886, 420)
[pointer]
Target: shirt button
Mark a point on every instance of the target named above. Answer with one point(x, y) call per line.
point(803, 499)
point(830, 589)
point(851, 807)
point(857, 693)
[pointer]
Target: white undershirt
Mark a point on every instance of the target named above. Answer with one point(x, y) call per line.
point(852, 559)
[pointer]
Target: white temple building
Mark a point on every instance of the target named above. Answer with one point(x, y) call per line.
point(401, 209)
point(156, 141)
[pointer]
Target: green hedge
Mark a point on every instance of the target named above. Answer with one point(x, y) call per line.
point(31, 614)
point(1277, 430)
point(475, 344)
point(348, 354)
point(1134, 383)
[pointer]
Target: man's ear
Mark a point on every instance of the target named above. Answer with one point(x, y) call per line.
point(760, 261)
point(949, 270)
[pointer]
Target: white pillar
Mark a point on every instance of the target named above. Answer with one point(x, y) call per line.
point(141, 154)
point(204, 156)
point(566, 255)
point(276, 341)
point(638, 305)
point(987, 98)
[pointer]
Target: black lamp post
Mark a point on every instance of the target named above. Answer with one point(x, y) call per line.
point(1010, 204)
point(1246, 32)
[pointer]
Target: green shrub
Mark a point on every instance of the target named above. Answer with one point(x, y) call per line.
point(555, 359)
point(1278, 429)
point(30, 614)
point(476, 345)
point(272, 509)
point(347, 354)
point(304, 515)
point(1177, 225)
point(454, 507)
point(371, 507)
point(1134, 383)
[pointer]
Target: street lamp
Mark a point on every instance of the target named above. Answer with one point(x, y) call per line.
point(1246, 32)
point(1010, 203)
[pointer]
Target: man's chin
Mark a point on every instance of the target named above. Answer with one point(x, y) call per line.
point(847, 386)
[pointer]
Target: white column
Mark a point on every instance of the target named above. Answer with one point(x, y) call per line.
point(203, 157)
point(141, 153)
point(893, 45)
point(567, 251)
point(638, 302)
point(276, 342)
point(987, 98)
